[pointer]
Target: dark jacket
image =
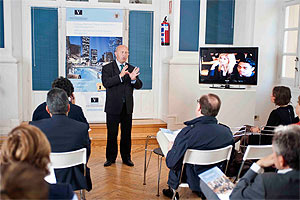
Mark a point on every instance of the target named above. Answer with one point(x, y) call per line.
point(75, 113)
point(268, 186)
point(60, 191)
point(117, 91)
point(279, 116)
point(65, 134)
point(202, 133)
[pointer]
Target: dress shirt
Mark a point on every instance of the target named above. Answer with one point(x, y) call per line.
point(119, 66)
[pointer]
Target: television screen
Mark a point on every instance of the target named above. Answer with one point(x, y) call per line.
point(228, 65)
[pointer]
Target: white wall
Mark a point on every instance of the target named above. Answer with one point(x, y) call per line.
point(256, 24)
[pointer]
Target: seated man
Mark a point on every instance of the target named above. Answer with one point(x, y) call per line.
point(75, 111)
point(201, 133)
point(65, 134)
point(281, 185)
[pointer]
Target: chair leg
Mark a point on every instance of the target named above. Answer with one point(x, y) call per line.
point(146, 164)
point(145, 170)
point(159, 171)
point(82, 194)
point(240, 171)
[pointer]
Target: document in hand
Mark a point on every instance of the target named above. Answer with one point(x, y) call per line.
point(217, 182)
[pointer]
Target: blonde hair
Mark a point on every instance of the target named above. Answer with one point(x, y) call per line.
point(231, 61)
point(26, 143)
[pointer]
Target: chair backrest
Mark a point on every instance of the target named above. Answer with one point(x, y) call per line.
point(257, 151)
point(163, 142)
point(68, 159)
point(51, 178)
point(207, 157)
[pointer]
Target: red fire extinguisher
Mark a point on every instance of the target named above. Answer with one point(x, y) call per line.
point(165, 32)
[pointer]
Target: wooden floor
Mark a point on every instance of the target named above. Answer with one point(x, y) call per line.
point(122, 182)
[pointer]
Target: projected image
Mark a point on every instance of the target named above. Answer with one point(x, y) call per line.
point(85, 57)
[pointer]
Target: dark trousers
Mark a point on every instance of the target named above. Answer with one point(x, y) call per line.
point(112, 123)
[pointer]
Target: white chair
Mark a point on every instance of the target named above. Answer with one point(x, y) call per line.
point(254, 152)
point(70, 159)
point(204, 157)
point(51, 178)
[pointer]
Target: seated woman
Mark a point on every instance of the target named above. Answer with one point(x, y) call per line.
point(15, 179)
point(282, 115)
point(28, 144)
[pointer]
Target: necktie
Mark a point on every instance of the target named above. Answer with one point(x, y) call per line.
point(121, 67)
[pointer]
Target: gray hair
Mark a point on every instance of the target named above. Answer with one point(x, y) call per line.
point(286, 142)
point(57, 101)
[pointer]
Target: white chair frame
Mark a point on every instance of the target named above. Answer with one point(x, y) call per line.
point(204, 157)
point(254, 152)
point(69, 159)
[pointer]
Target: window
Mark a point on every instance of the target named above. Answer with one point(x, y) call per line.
point(219, 23)
point(289, 72)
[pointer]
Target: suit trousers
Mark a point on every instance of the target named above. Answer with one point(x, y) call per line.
point(112, 123)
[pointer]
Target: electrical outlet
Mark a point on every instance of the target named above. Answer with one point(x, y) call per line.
point(256, 117)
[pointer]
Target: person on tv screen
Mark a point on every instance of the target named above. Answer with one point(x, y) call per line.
point(246, 68)
point(223, 66)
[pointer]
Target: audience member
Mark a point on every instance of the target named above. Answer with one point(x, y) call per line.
point(281, 185)
point(202, 133)
point(65, 134)
point(27, 144)
point(283, 115)
point(15, 181)
point(75, 110)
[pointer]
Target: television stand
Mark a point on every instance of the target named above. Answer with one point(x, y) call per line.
point(227, 86)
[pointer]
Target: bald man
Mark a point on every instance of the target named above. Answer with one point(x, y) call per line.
point(119, 78)
point(201, 133)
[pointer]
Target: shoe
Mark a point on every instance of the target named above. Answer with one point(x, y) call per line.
point(108, 163)
point(169, 193)
point(128, 162)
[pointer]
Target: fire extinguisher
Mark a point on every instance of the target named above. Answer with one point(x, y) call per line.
point(165, 32)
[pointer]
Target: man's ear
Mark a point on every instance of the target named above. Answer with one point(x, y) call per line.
point(47, 109)
point(282, 162)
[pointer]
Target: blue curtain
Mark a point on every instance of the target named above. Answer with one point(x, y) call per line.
point(44, 30)
point(141, 44)
point(1, 25)
point(219, 21)
point(189, 25)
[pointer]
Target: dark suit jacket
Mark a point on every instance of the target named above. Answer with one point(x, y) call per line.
point(65, 134)
point(75, 113)
point(268, 186)
point(202, 133)
point(117, 90)
point(60, 191)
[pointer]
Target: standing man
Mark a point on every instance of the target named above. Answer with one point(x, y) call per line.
point(119, 79)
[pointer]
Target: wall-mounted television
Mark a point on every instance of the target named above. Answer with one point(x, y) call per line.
point(228, 65)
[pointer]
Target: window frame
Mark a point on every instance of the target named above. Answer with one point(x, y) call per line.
point(294, 83)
